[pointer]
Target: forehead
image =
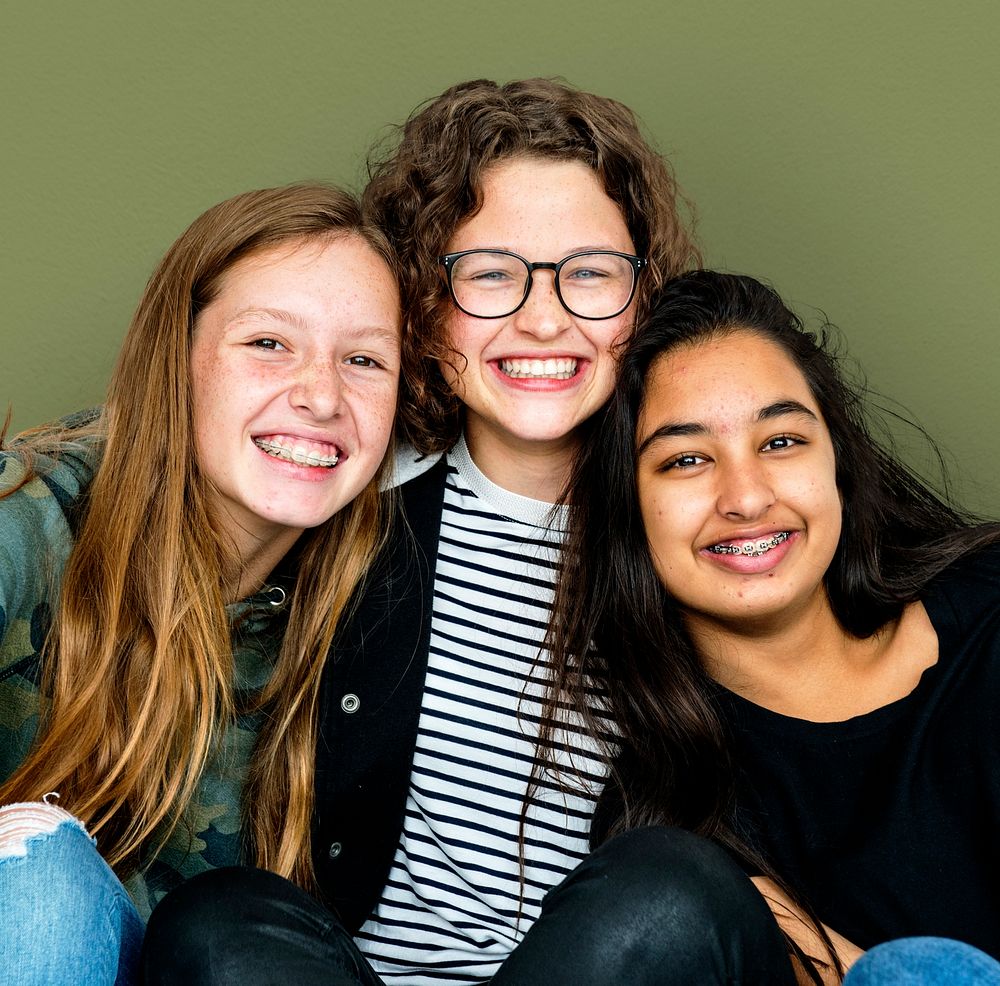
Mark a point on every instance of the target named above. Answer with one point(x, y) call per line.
point(328, 287)
point(340, 269)
point(535, 199)
point(301, 256)
point(722, 382)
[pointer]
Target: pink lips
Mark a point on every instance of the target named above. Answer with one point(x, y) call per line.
point(540, 384)
point(304, 471)
point(753, 564)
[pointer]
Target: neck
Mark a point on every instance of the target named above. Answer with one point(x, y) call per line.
point(255, 560)
point(811, 668)
point(539, 470)
point(803, 665)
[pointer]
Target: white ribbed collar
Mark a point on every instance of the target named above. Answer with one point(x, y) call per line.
point(538, 513)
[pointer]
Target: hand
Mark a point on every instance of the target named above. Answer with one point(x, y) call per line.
point(798, 927)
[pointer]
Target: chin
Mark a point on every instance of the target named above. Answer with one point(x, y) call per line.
point(294, 518)
point(555, 431)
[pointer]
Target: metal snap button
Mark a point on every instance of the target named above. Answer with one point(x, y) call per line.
point(276, 596)
point(335, 848)
point(350, 703)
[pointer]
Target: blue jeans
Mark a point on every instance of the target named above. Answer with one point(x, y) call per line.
point(924, 962)
point(64, 916)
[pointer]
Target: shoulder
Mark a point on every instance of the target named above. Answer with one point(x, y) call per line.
point(408, 464)
point(963, 601)
point(36, 486)
point(973, 579)
point(38, 492)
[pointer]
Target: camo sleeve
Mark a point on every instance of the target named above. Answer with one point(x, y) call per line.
point(35, 541)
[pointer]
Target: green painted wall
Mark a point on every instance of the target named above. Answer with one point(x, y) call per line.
point(846, 151)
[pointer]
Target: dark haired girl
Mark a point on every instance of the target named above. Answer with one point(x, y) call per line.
point(798, 639)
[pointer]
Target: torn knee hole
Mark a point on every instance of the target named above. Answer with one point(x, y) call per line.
point(29, 819)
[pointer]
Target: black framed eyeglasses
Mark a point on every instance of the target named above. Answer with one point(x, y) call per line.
point(495, 283)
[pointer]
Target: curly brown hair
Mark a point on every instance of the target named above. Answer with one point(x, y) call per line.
point(430, 180)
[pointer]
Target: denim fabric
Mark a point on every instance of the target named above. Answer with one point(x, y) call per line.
point(924, 962)
point(64, 916)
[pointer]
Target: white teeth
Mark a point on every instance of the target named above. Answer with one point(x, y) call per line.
point(751, 548)
point(297, 453)
point(555, 369)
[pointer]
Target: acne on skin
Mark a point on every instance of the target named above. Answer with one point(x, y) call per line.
point(750, 466)
point(737, 485)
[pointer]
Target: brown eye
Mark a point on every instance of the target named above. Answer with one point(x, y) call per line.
point(267, 343)
point(685, 461)
point(780, 442)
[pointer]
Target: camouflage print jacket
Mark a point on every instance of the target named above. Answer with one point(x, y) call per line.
point(35, 541)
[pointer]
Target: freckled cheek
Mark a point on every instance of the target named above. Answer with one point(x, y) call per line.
point(207, 387)
point(374, 414)
point(466, 339)
point(227, 399)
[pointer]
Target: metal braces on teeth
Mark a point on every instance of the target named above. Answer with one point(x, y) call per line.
point(751, 550)
point(286, 455)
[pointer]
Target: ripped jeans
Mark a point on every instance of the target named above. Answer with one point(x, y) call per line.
point(64, 916)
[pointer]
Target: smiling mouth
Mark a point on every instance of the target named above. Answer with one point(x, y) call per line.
point(751, 548)
point(315, 454)
point(562, 368)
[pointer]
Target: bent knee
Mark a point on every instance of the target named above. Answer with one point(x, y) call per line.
point(673, 879)
point(28, 820)
point(229, 913)
point(658, 859)
point(212, 901)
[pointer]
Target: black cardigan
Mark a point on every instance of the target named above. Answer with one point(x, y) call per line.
point(370, 708)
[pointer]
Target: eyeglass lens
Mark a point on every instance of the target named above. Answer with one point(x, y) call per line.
point(592, 285)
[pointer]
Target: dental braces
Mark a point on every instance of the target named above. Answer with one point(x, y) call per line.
point(751, 550)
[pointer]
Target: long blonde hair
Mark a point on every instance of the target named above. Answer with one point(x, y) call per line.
point(139, 664)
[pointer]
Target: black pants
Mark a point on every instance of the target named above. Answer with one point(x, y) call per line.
point(654, 906)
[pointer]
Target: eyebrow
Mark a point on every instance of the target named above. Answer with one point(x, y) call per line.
point(779, 409)
point(570, 253)
point(259, 314)
point(382, 332)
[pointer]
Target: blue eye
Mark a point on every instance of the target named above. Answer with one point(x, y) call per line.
point(585, 274)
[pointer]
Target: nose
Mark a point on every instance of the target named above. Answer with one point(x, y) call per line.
point(745, 490)
point(318, 389)
point(543, 315)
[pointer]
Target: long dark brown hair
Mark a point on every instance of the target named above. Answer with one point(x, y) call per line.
point(429, 179)
point(138, 663)
point(616, 631)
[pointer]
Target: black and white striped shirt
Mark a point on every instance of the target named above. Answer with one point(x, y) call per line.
point(455, 904)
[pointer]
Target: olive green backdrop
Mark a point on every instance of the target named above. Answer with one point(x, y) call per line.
point(846, 151)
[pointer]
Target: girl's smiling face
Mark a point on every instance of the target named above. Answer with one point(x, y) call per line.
point(530, 379)
point(294, 368)
point(736, 481)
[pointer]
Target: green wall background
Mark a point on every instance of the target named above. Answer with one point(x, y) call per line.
point(846, 151)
